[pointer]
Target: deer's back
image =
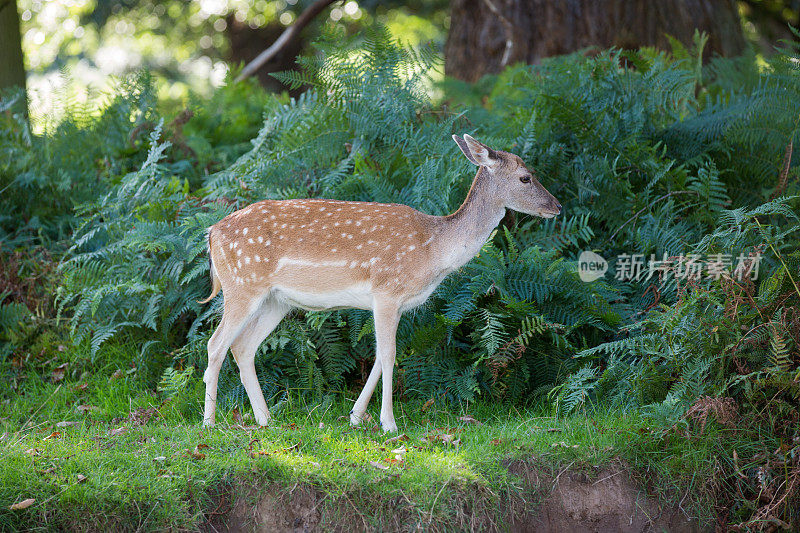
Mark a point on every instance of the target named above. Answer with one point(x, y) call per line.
point(322, 254)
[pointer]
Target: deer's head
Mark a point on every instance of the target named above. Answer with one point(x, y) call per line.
point(514, 184)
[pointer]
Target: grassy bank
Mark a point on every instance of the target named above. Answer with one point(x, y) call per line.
point(104, 450)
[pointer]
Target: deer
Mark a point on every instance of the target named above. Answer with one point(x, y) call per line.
point(314, 254)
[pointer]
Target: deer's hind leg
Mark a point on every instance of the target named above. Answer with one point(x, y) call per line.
point(244, 348)
point(234, 318)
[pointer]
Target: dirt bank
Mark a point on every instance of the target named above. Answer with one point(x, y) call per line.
point(590, 500)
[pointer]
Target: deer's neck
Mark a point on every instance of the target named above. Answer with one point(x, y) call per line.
point(466, 231)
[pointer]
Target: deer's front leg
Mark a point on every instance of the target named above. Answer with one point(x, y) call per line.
point(387, 316)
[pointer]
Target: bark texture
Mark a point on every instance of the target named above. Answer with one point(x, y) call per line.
point(246, 43)
point(486, 35)
point(12, 70)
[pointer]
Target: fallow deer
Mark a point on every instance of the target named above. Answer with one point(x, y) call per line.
point(276, 255)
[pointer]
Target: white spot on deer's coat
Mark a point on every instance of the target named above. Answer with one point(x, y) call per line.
point(239, 264)
point(258, 258)
point(411, 247)
point(260, 239)
point(247, 260)
point(238, 252)
point(244, 231)
point(251, 241)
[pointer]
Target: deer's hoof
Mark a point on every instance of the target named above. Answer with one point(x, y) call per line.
point(389, 426)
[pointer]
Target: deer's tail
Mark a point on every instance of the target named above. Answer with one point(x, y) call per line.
point(215, 284)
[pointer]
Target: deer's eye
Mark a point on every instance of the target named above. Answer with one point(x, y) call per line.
point(525, 179)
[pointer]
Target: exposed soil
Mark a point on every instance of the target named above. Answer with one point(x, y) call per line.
point(600, 500)
point(603, 501)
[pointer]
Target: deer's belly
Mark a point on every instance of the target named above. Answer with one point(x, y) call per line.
point(357, 296)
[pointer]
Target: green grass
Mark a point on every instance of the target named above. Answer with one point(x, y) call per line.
point(151, 476)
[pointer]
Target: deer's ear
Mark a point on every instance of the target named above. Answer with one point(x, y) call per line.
point(478, 153)
point(465, 149)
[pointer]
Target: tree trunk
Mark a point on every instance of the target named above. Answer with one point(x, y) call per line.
point(487, 35)
point(12, 70)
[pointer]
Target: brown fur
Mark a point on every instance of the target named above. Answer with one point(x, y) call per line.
point(340, 243)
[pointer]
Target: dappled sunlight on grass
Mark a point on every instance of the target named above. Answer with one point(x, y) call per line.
point(142, 451)
point(87, 444)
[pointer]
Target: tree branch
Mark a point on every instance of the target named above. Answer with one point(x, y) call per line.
point(288, 34)
point(509, 28)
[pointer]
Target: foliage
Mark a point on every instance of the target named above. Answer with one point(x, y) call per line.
point(508, 324)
